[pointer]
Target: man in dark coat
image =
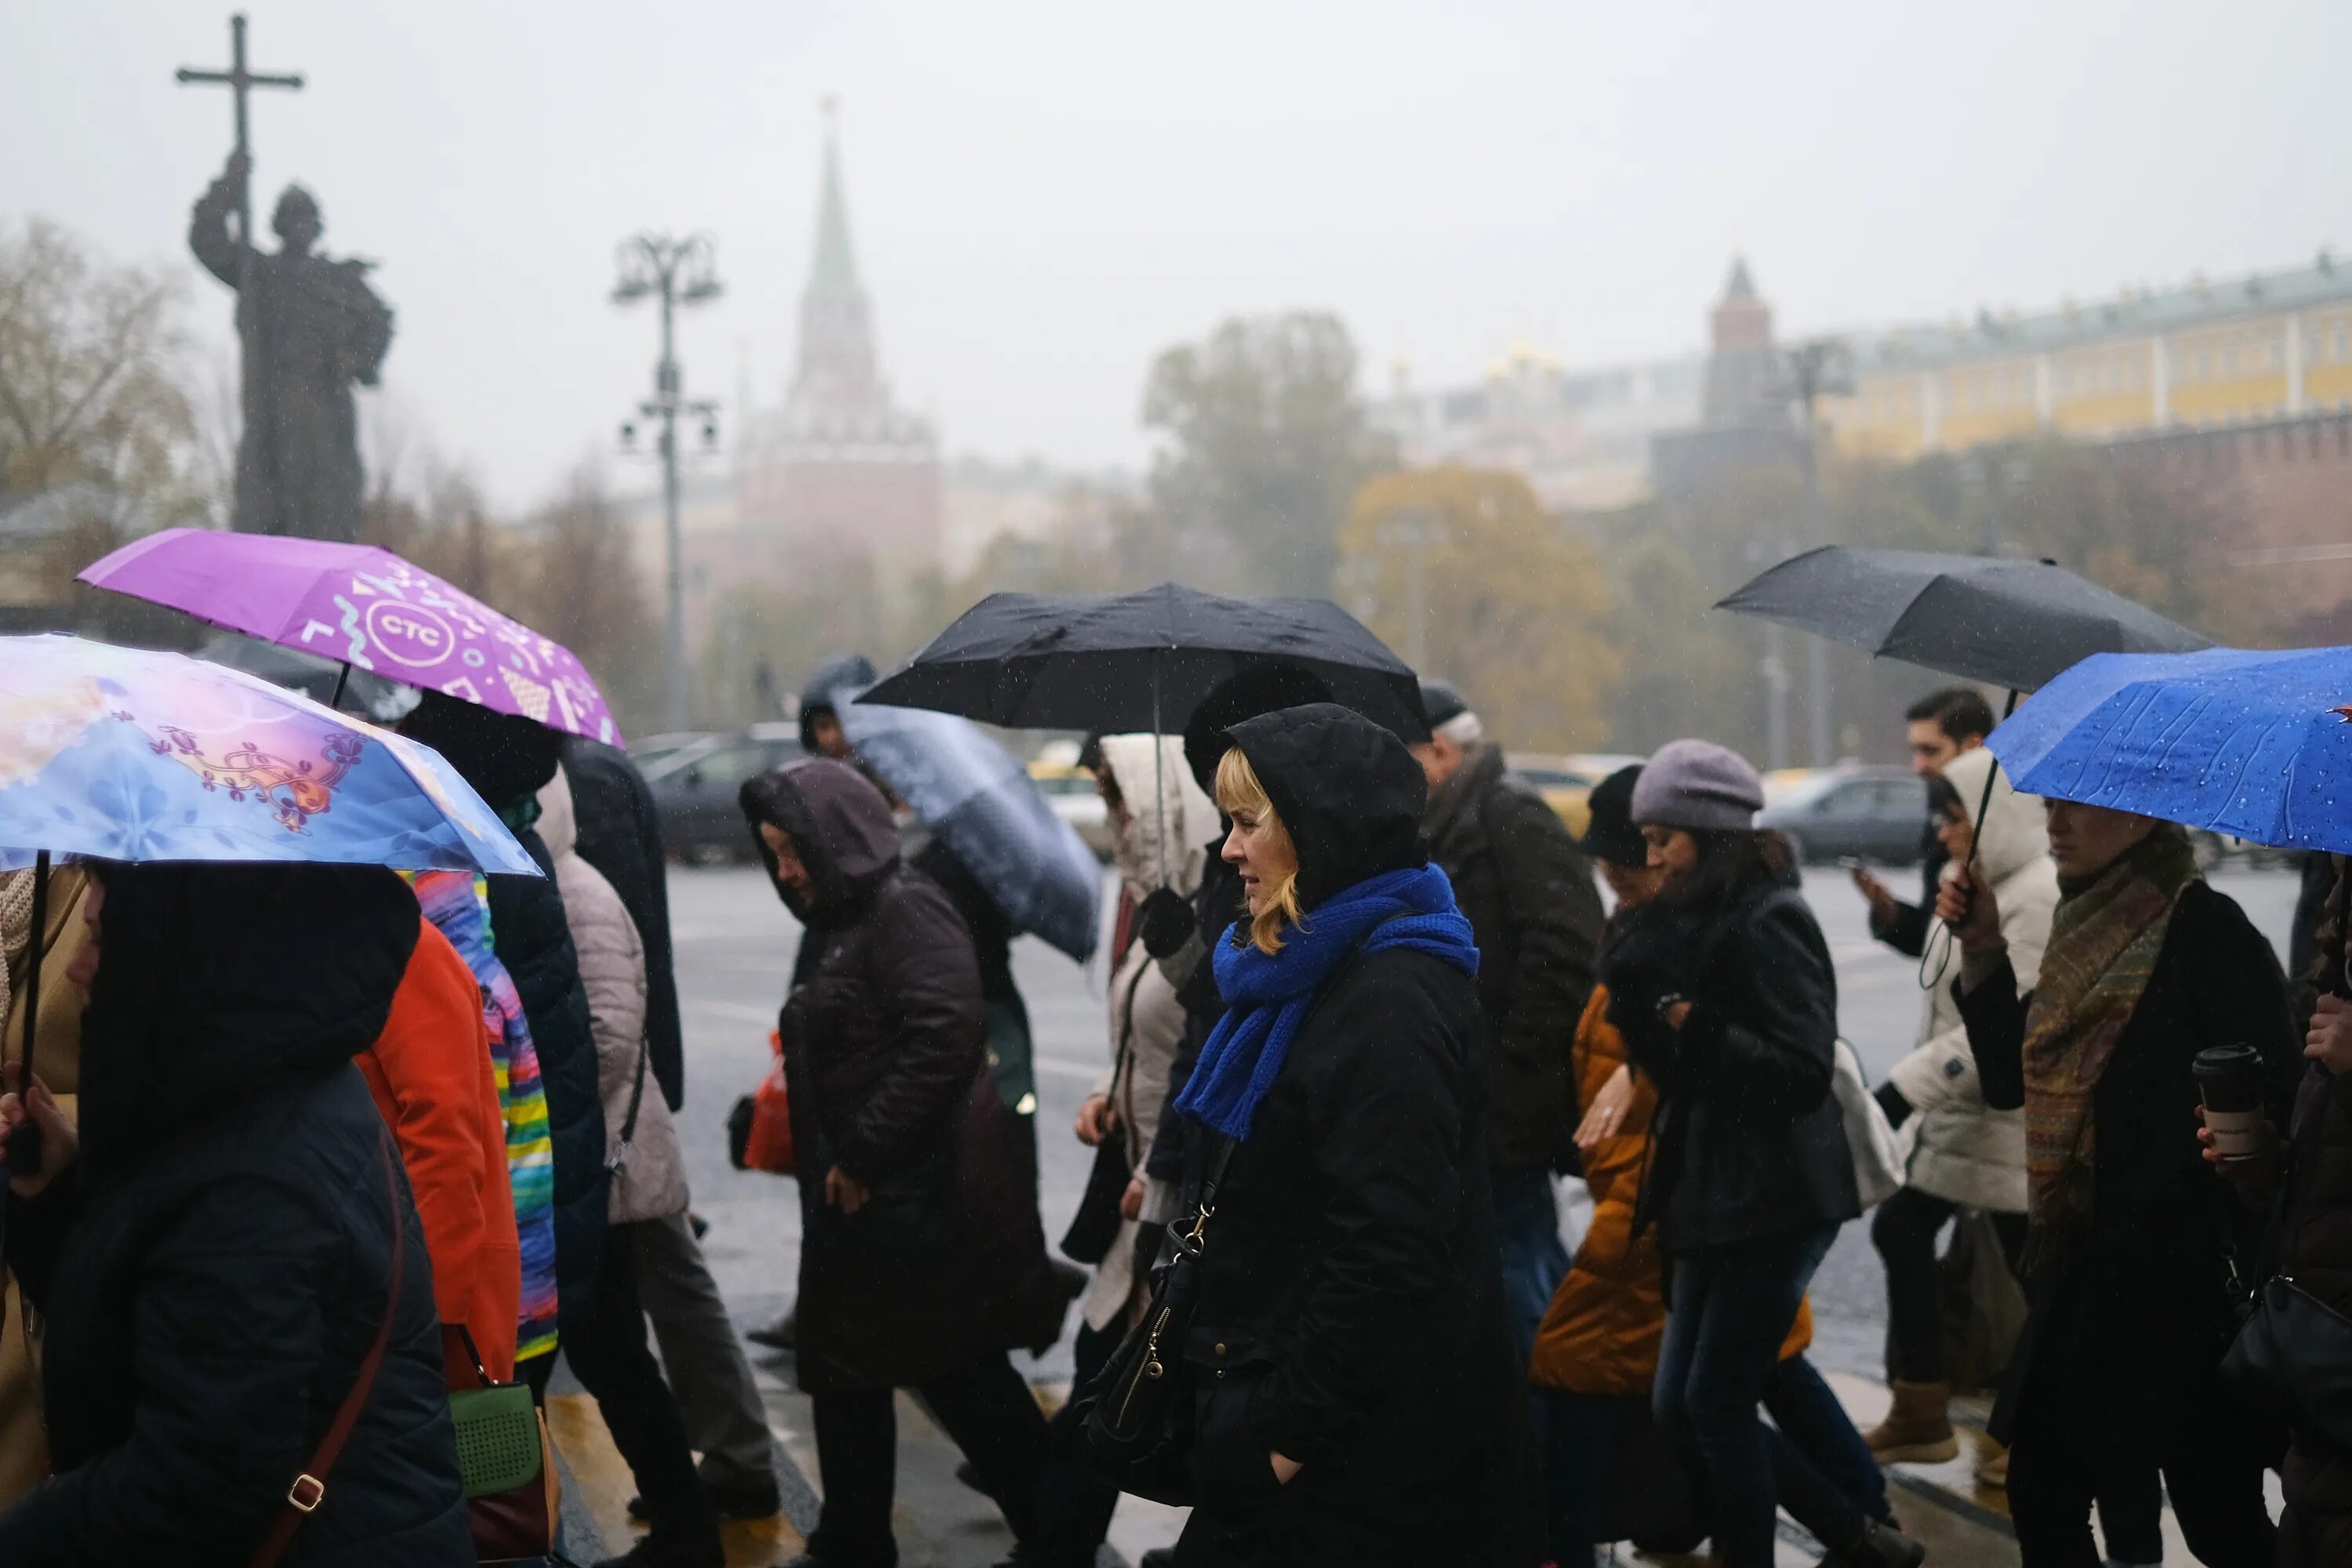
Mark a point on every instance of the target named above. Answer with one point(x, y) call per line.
point(1529, 894)
point(1350, 1315)
point(1936, 728)
point(922, 1261)
point(506, 758)
point(215, 1262)
point(620, 834)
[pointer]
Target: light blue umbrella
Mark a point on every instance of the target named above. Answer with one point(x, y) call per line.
point(127, 754)
point(976, 797)
point(2252, 742)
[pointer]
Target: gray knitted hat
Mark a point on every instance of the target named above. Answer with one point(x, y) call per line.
point(1699, 785)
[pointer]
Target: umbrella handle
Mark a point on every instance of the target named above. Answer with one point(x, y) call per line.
point(24, 1144)
point(336, 702)
point(1159, 773)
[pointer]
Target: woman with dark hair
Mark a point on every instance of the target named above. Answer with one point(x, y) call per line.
point(227, 1249)
point(1354, 1395)
point(1723, 988)
point(922, 1261)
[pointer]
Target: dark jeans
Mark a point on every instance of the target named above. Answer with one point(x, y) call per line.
point(1905, 1230)
point(1527, 1230)
point(1729, 1310)
point(1825, 1474)
point(608, 1352)
point(1074, 1504)
point(986, 1409)
point(1822, 1470)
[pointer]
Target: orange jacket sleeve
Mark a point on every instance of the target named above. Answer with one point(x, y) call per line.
point(430, 1073)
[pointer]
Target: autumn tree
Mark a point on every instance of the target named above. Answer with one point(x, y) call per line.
point(1265, 439)
point(95, 427)
point(1515, 605)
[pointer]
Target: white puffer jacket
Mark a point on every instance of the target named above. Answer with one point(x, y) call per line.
point(1146, 1021)
point(651, 1181)
point(1960, 1149)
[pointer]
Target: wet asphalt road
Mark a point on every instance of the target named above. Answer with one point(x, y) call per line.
point(735, 944)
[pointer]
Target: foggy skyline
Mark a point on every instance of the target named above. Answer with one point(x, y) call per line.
point(1042, 197)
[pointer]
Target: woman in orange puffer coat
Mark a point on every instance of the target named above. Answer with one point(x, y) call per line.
point(429, 1072)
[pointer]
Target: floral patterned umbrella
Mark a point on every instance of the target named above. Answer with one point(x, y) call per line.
point(126, 754)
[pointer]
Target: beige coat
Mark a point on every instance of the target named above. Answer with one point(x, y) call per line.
point(651, 1181)
point(1958, 1148)
point(1146, 1021)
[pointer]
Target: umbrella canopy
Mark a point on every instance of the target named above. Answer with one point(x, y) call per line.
point(2014, 624)
point(977, 799)
point(2247, 742)
point(1142, 661)
point(367, 609)
point(130, 755)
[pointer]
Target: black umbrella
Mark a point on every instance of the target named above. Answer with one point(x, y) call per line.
point(1122, 663)
point(2015, 624)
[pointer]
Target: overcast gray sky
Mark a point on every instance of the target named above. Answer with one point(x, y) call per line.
point(1043, 195)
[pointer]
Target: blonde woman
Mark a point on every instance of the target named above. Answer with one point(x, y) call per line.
point(1355, 1398)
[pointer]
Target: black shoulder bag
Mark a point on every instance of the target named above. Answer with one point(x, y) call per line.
point(1135, 1419)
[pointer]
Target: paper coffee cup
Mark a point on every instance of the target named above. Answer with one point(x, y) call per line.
point(2237, 1134)
point(2229, 1082)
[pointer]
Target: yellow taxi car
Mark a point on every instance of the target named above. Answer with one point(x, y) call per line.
point(1566, 782)
point(1069, 789)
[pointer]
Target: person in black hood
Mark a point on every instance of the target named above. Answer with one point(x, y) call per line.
point(922, 1261)
point(213, 1252)
point(1354, 1395)
point(506, 758)
point(1168, 926)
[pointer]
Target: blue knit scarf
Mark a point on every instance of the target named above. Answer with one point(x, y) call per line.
point(1267, 996)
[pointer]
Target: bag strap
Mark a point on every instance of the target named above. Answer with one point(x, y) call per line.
point(309, 1488)
point(620, 1154)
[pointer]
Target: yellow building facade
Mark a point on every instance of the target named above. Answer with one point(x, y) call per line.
point(2210, 356)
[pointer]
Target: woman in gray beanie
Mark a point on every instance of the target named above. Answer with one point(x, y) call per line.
point(1723, 988)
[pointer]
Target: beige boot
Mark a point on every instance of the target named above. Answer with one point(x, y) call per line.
point(1917, 1428)
point(1993, 1464)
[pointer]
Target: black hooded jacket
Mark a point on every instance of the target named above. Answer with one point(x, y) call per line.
point(620, 834)
point(507, 760)
point(883, 1050)
point(1350, 1314)
point(1749, 1141)
point(215, 1264)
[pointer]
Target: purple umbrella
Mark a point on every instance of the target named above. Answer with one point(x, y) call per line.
point(367, 609)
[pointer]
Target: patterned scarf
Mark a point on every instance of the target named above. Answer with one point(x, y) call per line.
point(2104, 942)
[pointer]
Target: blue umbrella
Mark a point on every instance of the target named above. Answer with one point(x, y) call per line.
point(2248, 742)
point(976, 797)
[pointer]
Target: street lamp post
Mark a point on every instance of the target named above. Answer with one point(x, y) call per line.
point(1816, 369)
point(681, 272)
point(1416, 531)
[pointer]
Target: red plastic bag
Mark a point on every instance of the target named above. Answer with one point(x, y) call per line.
point(762, 1122)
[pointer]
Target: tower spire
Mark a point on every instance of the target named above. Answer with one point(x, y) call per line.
point(836, 378)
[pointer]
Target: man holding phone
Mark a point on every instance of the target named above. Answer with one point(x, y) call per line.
point(1939, 727)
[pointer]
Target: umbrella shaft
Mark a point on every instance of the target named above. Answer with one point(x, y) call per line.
point(25, 1142)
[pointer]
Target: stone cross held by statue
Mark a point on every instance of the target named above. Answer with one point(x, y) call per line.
point(239, 81)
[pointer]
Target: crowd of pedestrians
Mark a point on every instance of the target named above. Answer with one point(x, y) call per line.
point(1367, 1005)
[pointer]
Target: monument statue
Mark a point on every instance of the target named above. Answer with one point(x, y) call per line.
point(311, 328)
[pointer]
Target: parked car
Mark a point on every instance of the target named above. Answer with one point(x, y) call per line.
point(1859, 810)
point(1565, 783)
point(648, 753)
point(694, 789)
